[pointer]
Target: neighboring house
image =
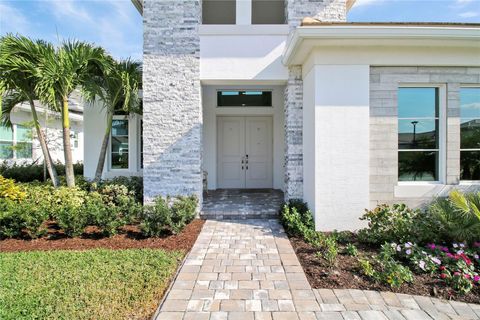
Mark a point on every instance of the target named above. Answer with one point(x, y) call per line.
point(288, 95)
point(19, 144)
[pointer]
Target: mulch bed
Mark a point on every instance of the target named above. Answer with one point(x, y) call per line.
point(347, 275)
point(129, 238)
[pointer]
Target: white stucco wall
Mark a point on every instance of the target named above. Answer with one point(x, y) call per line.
point(210, 113)
point(95, 125)
point(236, 52)
point(309, 139)
point(339, 165)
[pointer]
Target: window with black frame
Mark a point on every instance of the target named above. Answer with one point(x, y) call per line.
point(119, 145)
point(470, 133)
point(247, 98)
point(418, 134)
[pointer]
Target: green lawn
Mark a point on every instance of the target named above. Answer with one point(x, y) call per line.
point(93, 284)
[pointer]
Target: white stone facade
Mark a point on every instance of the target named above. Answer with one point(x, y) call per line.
point(338, 122)
point(172, 112)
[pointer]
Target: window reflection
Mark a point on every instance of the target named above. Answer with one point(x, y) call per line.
point(470, 133)
point(418, 134)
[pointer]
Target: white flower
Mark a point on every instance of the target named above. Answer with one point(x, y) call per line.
point(408, 252)
point(476, 256)
point(408, 245)
point(436, 260)
point(421, 264)
point(455, 245)
point(462, 245)
point(459, 251)
point(399, 248)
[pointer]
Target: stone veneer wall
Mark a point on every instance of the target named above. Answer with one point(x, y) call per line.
point(296, 10)
point(172, 113)
point(293, 134)
point(324, 10)
point(384, 84)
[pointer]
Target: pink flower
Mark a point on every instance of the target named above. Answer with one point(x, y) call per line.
point(431, 246)
point(444, 249)
point(450, 255)
point(467, 276)
point(476, 244)
point(443, 275)
point(456, 273)
point(476, 278)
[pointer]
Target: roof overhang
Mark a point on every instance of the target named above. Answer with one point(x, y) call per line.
point(306, 38)
point(139, 5)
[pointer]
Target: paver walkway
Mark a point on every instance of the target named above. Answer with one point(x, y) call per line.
point(247, 270)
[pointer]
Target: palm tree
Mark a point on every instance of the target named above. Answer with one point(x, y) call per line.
point(117, 89)
point(19, 60)
point(70, 67)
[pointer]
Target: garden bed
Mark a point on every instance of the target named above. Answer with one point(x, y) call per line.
point(347, 275)
point(128, 237)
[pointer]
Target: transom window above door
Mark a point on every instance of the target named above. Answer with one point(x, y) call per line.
point(247, 98)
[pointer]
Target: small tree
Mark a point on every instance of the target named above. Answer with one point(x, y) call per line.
point(70, 67)
point(116, 90)
point(19, 60)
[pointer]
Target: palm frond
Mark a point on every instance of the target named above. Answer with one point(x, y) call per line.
point(9, 101)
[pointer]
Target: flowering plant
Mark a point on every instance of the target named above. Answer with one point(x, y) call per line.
point(457, 265)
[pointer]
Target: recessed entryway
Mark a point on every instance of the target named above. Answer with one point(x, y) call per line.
point(244, 152)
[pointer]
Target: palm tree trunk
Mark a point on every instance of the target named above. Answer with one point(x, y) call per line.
point(67, 147)
point(47, 158)
point(103, 150)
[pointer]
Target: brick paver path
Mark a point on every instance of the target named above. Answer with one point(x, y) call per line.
point(247, 270)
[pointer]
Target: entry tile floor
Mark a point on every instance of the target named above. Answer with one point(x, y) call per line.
point(241, 204)
point(248, 270)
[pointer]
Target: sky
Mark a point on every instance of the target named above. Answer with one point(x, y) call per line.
point(117, 26)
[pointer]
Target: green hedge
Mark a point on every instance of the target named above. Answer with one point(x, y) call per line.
point(33, 172)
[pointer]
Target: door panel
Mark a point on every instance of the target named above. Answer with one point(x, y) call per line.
point(231, 150)
point(247, 139)
point(258, 148)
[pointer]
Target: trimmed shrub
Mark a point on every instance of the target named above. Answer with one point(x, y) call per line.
point(28, 215)
point(8, 190)
point(33, 172)
point(70, 212)
point(112, 207)
point(168, 215)
point(133, 184)
point(11, 224)
point(396, 223)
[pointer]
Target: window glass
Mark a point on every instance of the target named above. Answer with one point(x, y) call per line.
point(6, 143)
point(268, 11)
point(418, 134)
point(470, 133)
point(244, 98)
point(23, 146)
point(219, 11)
point(119, 144)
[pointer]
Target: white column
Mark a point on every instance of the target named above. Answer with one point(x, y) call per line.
point(244, 12)
point(336, 145)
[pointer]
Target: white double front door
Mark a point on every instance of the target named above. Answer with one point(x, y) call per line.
point(244, 152)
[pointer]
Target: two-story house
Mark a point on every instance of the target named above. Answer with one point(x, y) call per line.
point(285, 94)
